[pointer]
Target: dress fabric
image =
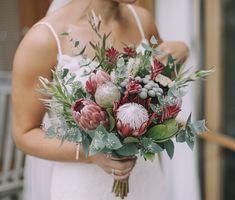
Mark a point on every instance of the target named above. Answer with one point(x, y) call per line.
point(50, 180)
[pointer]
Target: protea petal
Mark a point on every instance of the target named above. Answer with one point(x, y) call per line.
point(96, 79)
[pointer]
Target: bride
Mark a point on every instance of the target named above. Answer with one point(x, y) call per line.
point(52, 172)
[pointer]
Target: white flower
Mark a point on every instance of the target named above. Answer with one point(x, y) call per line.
point(133, 66)
point(133, 114)
point(164, 80)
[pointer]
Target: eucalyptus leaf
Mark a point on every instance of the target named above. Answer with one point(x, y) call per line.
point(129, 149)
point(155, 148)
point(169, 146)
point(146, 47)
point(153, 40)
point(130, 140)
point(181, 136)
point(153, 107)
point(112, 142)
point(198, 127)
point(190, 141)
point(51, 132)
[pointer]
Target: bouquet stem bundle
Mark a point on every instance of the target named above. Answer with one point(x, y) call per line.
point(121, 188)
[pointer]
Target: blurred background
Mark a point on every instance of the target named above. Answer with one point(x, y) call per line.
point(208, 27)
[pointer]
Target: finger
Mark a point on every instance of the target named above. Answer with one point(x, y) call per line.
point(123, 158)
point(121, 177)
point(123, 172)
point(121, 168)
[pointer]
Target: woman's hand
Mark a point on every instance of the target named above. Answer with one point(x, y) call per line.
point(178, 50)
point(119, 168)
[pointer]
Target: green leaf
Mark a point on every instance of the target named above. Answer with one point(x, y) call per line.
point(111, 118)
point(163, 131)
point(157, 132)
point(85, 145)
point(97, 144)
point(146, 47)
point(198, 127)
point(180, 137)
point(155, 148)
point(169, 68)
point(169, 146)
point(112, 142)
point(189, 119)
point(153, 107)
point(50, 133)
point(82, 51)
point(130, 140)
point(76, 43)
point(129, 149)
point(172, 126)
point(190, 141)
point(153, 40)
point(65, 33)
point(149, 156)
point(65, 72)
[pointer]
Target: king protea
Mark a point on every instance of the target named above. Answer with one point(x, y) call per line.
point(132, 120)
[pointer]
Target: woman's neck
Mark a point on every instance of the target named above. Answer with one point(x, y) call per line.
point(107, 9)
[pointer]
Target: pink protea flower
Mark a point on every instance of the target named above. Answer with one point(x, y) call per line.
point(96, 79)
point(88, 115)
point(130, 52)
point(156, 69)
point(112, 55)
point(132, 120)
point(107, 94)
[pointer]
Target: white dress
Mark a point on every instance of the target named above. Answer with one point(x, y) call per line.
point(48, 180)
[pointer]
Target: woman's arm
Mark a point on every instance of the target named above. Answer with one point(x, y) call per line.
point(35, 57)
point(179, 50)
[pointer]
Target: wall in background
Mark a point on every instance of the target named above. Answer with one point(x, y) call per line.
point(179, 20)
point(9, 32)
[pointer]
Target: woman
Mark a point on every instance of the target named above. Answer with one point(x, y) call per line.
point(55, 174)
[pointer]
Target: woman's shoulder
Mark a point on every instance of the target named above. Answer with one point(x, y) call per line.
point(147, 21)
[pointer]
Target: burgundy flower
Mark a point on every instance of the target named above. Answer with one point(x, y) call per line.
point(157, 68)
point(170, 112)
point(112, 55)
point(96, 79)
point(132, 87)
point(130, 52)
point(88, 115)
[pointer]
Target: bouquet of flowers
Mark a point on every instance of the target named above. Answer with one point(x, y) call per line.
point(127, 106)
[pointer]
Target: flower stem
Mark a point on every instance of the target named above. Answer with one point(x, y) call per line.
point(121, 188)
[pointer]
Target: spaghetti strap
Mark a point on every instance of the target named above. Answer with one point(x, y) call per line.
point(137, 21)
point(53, 33)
